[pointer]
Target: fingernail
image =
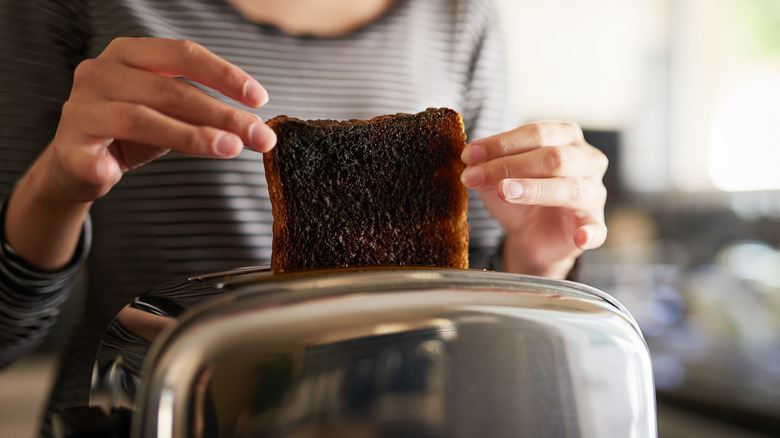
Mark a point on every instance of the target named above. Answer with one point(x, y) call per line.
point(263, 138)
point(513, 189)
point(255, 93)
point(474, 153)
point(583, 238)
point(228, 145)
point(472, 176)
point(588, 239)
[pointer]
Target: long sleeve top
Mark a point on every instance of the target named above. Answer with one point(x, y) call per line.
point(181, 215)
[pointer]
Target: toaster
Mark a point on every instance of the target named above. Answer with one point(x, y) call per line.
point(371, 352)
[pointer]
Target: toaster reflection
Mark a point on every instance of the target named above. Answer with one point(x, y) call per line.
point(378, 353)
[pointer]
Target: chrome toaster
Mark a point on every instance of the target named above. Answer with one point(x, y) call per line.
point(382, 352)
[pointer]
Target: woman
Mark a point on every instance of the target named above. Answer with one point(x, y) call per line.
point(142, 156)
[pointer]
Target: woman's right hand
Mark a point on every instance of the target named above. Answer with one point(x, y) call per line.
point(127, 107)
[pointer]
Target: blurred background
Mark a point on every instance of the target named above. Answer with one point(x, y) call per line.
point(684, 97)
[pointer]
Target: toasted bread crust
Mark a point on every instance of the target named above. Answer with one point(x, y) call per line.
point(384, 191)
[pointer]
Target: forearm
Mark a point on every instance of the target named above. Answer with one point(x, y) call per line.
point(42, 227)
point(31, 299)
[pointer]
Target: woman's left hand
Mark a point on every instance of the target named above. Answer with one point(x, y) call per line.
point(543, 183)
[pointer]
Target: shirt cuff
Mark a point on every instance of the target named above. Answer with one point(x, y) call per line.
point(32, 278)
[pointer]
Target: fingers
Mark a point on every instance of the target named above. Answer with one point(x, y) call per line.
point(522, 139)
point(545, 164)
point(591, 235)
point(100, 160)
point(536, 150)
point(175, 98)
point(172, 58)
point(574, 194)
point(544, 177)
point(580, 161)
point(129, 106)
point(145, 71)
point(141, 124)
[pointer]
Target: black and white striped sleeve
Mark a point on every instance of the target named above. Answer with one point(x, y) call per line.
point(39, 42)
point(30, 299)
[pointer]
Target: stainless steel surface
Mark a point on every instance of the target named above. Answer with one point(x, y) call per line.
point(375, 353)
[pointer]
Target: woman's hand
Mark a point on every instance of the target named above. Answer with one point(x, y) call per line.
point(127, 107)
point(543, 183)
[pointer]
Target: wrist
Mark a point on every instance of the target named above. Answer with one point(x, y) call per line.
point(43, 187)
point(42, 224)
point(523, 262)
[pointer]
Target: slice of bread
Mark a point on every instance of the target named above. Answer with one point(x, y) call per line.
point(384, 191)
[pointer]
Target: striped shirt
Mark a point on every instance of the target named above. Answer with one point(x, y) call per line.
point(181, 215)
